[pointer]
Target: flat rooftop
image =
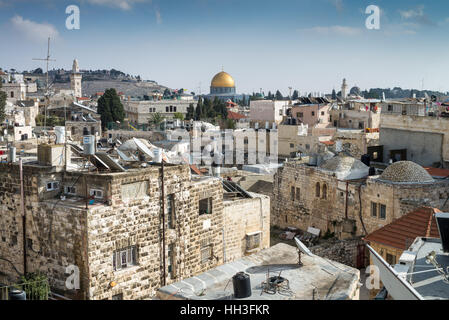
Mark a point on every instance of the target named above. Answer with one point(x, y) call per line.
point(331, 280)
point(430, 285)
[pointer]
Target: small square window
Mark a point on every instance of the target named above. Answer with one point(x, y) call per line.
point(205, 206)
point(252, 241)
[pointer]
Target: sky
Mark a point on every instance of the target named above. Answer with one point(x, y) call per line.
point(309, 45)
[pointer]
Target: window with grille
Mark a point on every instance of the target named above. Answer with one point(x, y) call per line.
point(205, 206)
point(206, 253)
point(252, 241)
point(54, 185)
point(170, 259)
point(124, 258)
point(171, 211)
point(373, 209)
point(292, 193)
point(391, 259)
point(96, 193)
point(70, 190)
point(383, 212)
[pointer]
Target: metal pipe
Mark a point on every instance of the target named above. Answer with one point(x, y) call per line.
point(22, 209)
point(163, 226)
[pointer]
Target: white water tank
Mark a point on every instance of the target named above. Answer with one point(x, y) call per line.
point(12, 154)
point(157, 155)
point(60, 134)
point(89, 145)
point(256, 125)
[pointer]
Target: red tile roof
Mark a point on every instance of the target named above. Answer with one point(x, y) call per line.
point(83, 98)
point(437, 172)
point(195, 169)
point(401, 232)
point(235, 116)
point(328, 143)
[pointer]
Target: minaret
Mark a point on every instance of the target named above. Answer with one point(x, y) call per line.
point(344, 89)
point(75, 80)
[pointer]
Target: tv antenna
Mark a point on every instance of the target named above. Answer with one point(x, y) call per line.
point(47, 90)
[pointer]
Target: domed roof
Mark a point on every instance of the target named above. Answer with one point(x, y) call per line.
point(346, 167)
point(406, 172)
point(222, 79)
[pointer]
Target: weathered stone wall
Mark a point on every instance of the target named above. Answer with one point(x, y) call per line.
point(349, 215)
point(242, 217)
point(64, 232)
point(343, 251)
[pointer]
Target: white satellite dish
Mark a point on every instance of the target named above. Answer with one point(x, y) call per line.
point(302, 247)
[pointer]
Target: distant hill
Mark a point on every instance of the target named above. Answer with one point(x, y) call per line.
point(98, 81)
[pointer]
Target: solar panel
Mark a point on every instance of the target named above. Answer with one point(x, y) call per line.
point(109, 161)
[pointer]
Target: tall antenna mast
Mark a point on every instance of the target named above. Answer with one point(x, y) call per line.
point(47, 90)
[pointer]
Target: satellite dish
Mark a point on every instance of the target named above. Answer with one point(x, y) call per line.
point(302, 247)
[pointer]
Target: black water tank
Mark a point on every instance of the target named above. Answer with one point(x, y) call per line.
point(366, 159)
point(372, 171)
point(16, 294)
point(242, 285)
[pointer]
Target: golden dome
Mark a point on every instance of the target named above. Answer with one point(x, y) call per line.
point(222, 79)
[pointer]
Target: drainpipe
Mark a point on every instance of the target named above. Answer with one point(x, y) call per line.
point(346, 202)
point(22, 209)
point(164, 280)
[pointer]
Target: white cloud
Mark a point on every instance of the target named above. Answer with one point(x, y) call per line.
point(412, 13)
point(158, 16)
point(417, 15)
point(122, 4)
point(33, 30)
point(334, 30)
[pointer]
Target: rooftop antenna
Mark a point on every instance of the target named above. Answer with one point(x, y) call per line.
point(47, 91)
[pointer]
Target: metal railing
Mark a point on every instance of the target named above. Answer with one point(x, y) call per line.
point(35, 290)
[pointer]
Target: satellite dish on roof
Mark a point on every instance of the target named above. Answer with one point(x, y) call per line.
point(302, 247)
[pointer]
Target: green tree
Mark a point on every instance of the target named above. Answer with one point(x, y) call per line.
point(190, 112)
point(156, 119)
point(334, 95)
point(110, 108)
point(295, 95)
point(199, 109)
point(279, 95)
point(2, 104)
point(179, 115)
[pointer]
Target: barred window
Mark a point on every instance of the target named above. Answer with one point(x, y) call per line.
point(373, 209)
point(206, 253)
point(292, 193)
point(205, 206)
point(171, 211)
point(124, 258)
point(383, 212)
point(170, 259)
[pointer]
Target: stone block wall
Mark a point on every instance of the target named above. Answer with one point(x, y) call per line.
point(243, 217)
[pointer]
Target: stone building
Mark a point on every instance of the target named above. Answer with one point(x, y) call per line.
point(108, 225)
point(339, 196)
point(410, 131)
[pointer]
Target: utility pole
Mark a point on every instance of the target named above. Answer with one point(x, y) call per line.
point(47, 92)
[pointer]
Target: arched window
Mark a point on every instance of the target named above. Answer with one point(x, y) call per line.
point(73, 130)
point(92, 130)
point(85, 131)
point(317, 190)
point(324, 191)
